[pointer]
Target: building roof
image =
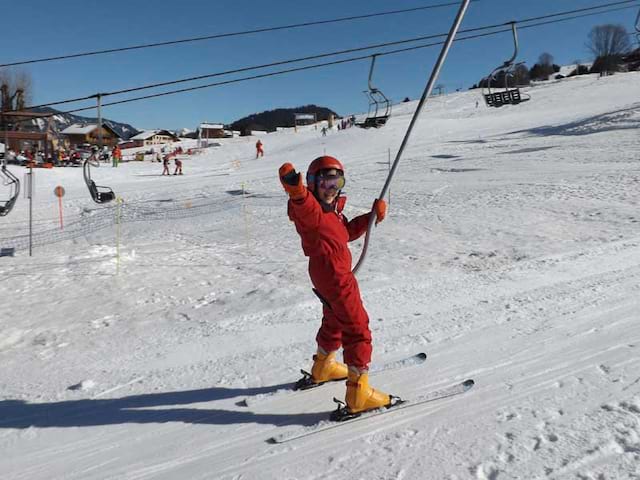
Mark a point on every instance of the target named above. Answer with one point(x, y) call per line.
point(150, 133)
point(78, 129)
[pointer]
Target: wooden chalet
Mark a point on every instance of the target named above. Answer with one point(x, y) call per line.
point(210, 130)
point(77, 135)
point(153, 137)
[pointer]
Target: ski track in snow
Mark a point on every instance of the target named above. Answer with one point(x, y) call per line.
point(511, 255)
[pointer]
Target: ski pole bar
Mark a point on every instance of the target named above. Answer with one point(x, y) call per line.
point(425, 95)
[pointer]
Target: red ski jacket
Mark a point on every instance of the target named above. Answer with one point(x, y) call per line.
point(325, 234)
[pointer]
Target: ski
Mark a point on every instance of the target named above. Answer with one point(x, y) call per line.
point(305, 383)
point(341, 419)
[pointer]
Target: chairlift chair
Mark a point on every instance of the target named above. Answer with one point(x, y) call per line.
point(100, 194)
point(379, 105)
point(505, 95)
point(10, 180)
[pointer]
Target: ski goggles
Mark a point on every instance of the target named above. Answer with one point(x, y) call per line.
point(331, 182)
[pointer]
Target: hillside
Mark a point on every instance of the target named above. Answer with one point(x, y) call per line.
point(280, 117)
point(149, 339)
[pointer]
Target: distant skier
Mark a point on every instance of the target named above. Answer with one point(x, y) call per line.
point(165, 165)
point(178, 170)
point(259, 149)
point(116, 156)
point(316, 211)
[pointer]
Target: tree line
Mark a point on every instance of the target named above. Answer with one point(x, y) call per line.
point(609, 44)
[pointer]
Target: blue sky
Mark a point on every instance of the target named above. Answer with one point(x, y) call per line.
point(44, 28)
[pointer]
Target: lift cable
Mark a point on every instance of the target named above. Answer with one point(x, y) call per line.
point(230, 34)
point(340, 52)
point(320, 65)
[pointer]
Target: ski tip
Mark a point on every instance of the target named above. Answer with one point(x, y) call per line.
point(272, 440)
point(422, 356)
point(468, 383)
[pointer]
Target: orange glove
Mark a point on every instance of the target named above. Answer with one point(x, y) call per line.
point(292, 182)
point(380, 209)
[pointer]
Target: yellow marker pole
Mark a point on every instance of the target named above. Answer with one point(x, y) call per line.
point(118, 215)
point(246, 215)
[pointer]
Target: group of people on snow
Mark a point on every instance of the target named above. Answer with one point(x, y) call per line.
point(165, 163)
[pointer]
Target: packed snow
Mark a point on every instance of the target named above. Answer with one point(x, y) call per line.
point(145, 339)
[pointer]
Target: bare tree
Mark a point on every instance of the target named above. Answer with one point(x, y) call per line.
point(521, 75)
point(608, 41)
point(545, 59)
point(16, 89)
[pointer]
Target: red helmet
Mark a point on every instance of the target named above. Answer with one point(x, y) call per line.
point(321, 163)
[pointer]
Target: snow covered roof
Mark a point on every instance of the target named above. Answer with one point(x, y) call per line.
point(150, 133)
point(77, 129)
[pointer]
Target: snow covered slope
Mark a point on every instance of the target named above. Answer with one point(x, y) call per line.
point(510, 254)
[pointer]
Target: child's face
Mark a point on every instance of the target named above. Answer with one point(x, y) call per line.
point(328, 191)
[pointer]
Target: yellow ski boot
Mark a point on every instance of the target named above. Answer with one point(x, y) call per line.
point(360, 396)
point(325, 369)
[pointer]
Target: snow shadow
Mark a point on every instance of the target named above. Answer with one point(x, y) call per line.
point(445, 156)
point(624, 119)
point(479, 141)
point(456, 170)
point(528, 150)
point(144, 409)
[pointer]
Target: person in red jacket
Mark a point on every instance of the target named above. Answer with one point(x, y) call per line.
point(259, 150)
point(316, 211)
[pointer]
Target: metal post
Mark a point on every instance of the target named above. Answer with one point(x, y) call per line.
point(425, 95)
point(99, 100)
point(389, 162)
point(29, 193)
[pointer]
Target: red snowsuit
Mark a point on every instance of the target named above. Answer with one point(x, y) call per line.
point(325, 233)
point(259, 151)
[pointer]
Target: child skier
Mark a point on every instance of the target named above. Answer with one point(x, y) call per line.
point(178, 170)
point(316, 211)
point(259, 149)
point(165, 165)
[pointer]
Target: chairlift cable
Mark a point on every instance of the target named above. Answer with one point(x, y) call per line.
point(321, 65)
point(308, 67)
point(259, 30)
point(227, 35)
point(324, 55)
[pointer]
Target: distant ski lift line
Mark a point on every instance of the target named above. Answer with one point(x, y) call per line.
point(231, 34)
point(340, 52)
point(392, 52)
